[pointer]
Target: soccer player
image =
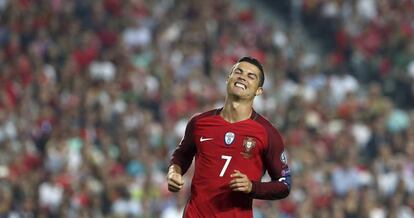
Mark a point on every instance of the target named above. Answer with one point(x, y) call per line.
point(233, 146)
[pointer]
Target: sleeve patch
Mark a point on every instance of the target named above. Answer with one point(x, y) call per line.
point(283, 158)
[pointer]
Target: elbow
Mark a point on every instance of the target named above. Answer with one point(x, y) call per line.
point(285, 194)
point(282, 194)
point(270, 191)
point(285, 184)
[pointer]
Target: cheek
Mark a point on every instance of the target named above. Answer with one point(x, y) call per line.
point(230, 80)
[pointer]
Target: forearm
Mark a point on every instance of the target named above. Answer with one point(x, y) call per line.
point(181, 162)
point(269, 190)
point(183, 155)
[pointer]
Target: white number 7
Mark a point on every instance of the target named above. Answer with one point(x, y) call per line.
point(227, 158)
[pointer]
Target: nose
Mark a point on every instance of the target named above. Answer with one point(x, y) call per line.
point(241, 77)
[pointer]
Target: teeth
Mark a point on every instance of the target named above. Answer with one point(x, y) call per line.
point(240, 85)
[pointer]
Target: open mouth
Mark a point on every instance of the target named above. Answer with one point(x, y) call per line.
point(240, 85)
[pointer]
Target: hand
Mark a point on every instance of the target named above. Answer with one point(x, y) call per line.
point(240, 182)
point(175, 182)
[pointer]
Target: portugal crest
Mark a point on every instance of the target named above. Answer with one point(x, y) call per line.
point(229, 138)
point(248, 143)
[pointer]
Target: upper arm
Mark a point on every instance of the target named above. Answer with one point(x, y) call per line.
point(275, 159)
point(186, 149)
point(275, 163)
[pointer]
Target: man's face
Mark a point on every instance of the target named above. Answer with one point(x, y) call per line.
point(243, 81)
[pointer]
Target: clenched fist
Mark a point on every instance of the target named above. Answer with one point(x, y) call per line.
point(174, 178)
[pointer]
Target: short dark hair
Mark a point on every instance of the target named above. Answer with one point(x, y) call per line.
point(256, 63)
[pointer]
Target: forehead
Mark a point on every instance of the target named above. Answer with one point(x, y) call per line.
point(246, 66)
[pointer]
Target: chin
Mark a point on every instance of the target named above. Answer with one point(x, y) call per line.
point(236, 93)
point(238, 96)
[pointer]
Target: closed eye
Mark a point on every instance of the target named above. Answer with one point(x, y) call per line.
point(252, 76)
point(238, 71)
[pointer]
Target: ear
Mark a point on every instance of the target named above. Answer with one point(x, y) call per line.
point(259, 91)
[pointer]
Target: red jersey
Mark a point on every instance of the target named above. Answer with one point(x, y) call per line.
point(251, 146)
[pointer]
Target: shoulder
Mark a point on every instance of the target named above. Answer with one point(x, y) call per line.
point(264, 122)
point(274, 139)
point(200, 115)
point(270, 129)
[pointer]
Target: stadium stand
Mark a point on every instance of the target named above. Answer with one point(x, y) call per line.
point(94, 96)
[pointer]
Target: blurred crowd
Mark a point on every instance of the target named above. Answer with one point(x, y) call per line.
point(95, 95)
point(372, 39)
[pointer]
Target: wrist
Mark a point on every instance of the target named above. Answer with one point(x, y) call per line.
point(174, 169)
point(252, 188)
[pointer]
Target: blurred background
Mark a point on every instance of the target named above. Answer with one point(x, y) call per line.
point(95, 95)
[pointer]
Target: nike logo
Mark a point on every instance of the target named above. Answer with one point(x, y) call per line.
point(205, 139)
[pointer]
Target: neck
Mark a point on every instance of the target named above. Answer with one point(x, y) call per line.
point(235, 111)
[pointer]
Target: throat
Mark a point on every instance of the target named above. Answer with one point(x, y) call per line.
point(235, 112)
